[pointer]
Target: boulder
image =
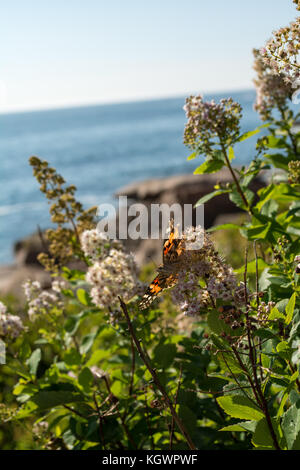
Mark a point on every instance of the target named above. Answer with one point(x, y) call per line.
point(181, 189)
point(13, 277)
point(27, 249)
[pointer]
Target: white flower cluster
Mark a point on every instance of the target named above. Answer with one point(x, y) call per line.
point(58, 285)
point(40, 428)
point(113, 276)
point(272, 91)
point(203, 277)
point(11, 326)
point(113, 272)
point(96, 245)
point(41, 301)
point(281, 52)
point(208, 121)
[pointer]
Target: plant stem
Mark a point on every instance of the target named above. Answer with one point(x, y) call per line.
point(238, 187)
point(100, 418)
point(175, 403)
point(156, 380)
point(256, 385)
point(132, 366)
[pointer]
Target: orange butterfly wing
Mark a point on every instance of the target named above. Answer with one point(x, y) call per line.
point(167, 276)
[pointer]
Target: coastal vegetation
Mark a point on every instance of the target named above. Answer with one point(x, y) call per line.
point(210, 364)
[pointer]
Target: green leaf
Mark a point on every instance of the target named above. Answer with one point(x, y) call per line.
point(241, 407)
point(188, 417)
point(192, 156)
point(278, 160)
point(231, 154)
point(164, 355)
point(284, 350)
point(294, 397)
point(98, 356)
point(233, 427)
point(83, 297)
point(34, 361)
point(290, 309)
point(88, 341)
point(291, 427)
point(263, 333)
point(259, 231)
point(50, 399)
point(24, 350)
point(223, 227)
point(209, 166)
point(209, 196)
point(262, 437)
point(86, 379)
point(72, 357)
point(242, 426)
point(249, 134)
point(237, 199)
point(264, 195)
point(275, 142)
point(276, 315)
point(278, 192)
point(281, 305)
point(251, 267)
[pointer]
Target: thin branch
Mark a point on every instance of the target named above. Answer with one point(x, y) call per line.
point(75, 411)
point(240, 387)
point(156, 379)
point(147, 421)
point(100, 418)
point(256, 385)
point(257, 305)
point(132, 367)
point(175, 404)
point(238, 187)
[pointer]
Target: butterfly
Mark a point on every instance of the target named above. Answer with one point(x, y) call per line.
point(173, 249)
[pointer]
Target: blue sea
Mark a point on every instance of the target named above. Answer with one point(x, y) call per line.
point(97, 148)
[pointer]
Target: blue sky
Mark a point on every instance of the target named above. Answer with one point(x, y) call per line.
point(56, 53)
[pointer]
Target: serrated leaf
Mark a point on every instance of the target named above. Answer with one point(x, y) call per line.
point(242, 426)
point(209, 166)
point(240, 407)
point(291, 427)
point(34, 361)
point(211, 195)
point(290, 309)
point(233, 428)
point(262, 437)
point(49, 399)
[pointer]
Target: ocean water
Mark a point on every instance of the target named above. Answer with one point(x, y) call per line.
point(97, 148)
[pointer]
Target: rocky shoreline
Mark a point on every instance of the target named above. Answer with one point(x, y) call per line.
point(181, 189)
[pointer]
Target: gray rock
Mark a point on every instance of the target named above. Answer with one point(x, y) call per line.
point(182, 189)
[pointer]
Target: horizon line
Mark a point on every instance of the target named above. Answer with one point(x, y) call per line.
point(121, 101)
